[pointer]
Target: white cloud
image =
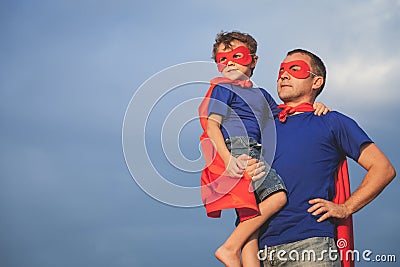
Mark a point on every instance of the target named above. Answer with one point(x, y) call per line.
point(364, 78)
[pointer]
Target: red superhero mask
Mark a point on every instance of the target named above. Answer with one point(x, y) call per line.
point(240, 55)
point(297, 68)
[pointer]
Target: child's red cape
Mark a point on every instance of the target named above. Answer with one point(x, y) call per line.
point(219, 191)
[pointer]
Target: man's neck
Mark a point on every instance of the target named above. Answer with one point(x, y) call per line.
point(294, 103)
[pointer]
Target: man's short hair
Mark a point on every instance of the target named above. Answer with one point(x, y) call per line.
point(317, 66)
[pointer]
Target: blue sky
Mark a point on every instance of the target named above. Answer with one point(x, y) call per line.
point(68, 71)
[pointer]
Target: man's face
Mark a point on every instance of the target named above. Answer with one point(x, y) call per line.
point(294, 90)
point(234, 70)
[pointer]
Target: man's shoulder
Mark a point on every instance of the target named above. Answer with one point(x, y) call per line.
point(337, 120)
point(336, 116)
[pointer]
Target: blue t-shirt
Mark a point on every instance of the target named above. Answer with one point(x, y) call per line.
point(308, 151)
point(244, 110)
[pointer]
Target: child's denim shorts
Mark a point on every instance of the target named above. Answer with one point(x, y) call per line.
point(268, 184)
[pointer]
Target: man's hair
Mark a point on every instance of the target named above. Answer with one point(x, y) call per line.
point(227, 37)
point(317, 66)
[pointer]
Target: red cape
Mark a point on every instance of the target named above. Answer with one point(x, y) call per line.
point(219, 191)
point(344, 229)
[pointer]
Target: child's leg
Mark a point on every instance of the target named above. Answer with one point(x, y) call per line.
point(250, 250)
point(229, 252)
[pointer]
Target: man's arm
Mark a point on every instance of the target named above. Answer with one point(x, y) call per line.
point(380, 173)
point(234, 166)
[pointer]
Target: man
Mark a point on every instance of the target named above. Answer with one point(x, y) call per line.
point(309, 149)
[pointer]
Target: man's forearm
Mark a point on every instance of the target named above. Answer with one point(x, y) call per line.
point(380, 173)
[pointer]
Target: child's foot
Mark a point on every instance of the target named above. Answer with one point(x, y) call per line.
point(228, 257)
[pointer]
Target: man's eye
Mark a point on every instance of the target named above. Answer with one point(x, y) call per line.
point(295, 68)
point(222, 59)
point(239, 55)
point(282, 70)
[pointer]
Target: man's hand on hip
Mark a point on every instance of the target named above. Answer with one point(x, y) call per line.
point(328, 209)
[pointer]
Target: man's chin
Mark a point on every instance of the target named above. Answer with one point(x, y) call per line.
point(284, 98)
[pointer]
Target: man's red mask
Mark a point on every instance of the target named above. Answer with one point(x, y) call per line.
point(297, 68)
point(240, 55)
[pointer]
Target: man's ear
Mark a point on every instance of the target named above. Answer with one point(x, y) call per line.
point(317, 83)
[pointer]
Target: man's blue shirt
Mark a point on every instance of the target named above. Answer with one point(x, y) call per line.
point(308, 151)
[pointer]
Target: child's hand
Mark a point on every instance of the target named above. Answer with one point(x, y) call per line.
point(236, 166)
point(320, 109)
point(256, 169)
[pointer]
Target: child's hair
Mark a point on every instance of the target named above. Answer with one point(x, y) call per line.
point(227, 37)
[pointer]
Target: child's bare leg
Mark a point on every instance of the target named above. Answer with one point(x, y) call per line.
point(229, 257)
point(250, 250)
point(229, 252)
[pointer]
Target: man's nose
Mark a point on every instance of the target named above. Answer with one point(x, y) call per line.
point(231, 63)
point(285, 75)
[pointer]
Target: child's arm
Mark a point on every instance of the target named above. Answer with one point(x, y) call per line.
point(234, 166)
point(320, 108)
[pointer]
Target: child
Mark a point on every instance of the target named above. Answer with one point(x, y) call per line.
point(236, 112)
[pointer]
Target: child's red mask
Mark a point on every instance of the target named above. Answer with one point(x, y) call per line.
point(240, 55)
point(297, 68)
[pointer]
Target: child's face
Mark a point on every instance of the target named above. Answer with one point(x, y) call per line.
point(233, 70)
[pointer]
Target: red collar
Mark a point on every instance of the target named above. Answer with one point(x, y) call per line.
point(288, 110)
point(242, 83)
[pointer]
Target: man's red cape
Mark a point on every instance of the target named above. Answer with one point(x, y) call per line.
point(344, 228)
point(220, 191)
